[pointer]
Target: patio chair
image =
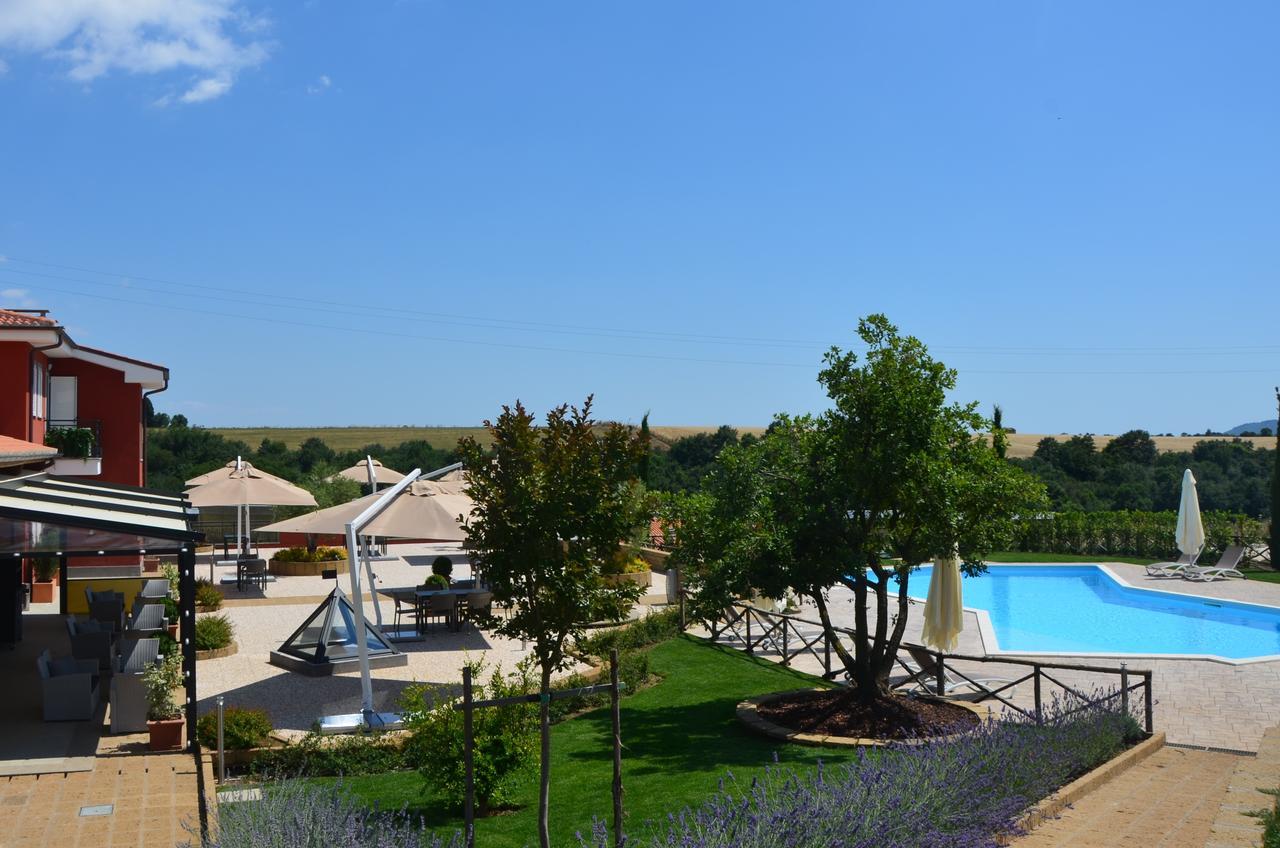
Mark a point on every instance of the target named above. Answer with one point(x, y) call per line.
point(443, 605)
point(1226, 566)
point(91, 640)
point(478, 607)
point(106, 607)
point(70, 687)
point(406, 608)
point(1172, 569)
point(253, 572)
point(922, 674)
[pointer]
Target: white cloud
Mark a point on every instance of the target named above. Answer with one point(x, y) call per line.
point(16, 297)
point(215, 39)
point(318, 87)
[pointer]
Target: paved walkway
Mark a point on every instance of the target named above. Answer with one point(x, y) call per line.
point(151, 798)
point(1169, 800)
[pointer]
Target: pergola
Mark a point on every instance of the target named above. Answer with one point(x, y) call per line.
point(45, 516)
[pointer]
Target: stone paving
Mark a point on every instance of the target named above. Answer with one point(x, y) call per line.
point(1197, 702)
point(154, 797)
point(1169, 800)
point(1234, 827)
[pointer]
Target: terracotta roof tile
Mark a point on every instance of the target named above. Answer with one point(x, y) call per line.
point(9, 318)
point(11, 447)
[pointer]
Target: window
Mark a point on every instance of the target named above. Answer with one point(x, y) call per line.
point(38, 376)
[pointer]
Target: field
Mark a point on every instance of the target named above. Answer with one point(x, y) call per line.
point(445, 438)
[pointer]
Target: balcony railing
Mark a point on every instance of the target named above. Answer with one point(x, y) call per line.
point(75, 438)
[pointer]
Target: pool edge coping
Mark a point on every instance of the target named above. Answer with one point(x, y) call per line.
point(991, 644)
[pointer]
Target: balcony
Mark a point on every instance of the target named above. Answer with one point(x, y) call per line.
point(79, 441)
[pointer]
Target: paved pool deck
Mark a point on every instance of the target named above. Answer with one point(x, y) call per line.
point(1197, 702)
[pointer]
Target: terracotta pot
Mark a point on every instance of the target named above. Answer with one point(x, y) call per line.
point(166, 734)
point(44, 591)
point(173, 630)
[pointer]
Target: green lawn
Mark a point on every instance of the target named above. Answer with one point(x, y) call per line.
point(1023, 556)
point(680, 738)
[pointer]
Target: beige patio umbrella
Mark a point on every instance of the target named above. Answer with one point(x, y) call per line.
point(381, 474)
point(424, 510)
point(241, 485)
point(201, 479)
point(944, 607)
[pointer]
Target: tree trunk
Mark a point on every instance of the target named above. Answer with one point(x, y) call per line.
point(544, 789)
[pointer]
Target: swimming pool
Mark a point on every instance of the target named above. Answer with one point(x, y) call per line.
point(1084, 609)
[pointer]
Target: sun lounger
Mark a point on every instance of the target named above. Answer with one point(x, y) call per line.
point(1226, 566)
point(1172, 569)
point(922, 674)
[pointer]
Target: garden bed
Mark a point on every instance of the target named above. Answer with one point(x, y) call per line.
point(830, 717)
point(215, 653)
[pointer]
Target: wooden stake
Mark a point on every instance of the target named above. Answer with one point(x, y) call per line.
point(617, 748)
point(469, 812)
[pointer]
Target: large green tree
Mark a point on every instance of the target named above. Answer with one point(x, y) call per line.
point(1275, 494)
point(890, 477)
point(552, 505)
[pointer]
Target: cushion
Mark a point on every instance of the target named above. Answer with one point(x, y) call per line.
point(64, 665)
point(89, 626)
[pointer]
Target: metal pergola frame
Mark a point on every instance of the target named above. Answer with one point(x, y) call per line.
point(46, 501)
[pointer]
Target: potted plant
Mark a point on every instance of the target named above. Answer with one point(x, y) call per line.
point(164, 717)
point(171, 617)
point(43, 587)
point(436, 581)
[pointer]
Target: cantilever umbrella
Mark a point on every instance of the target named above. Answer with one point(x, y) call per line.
point(241, 485)
point(382, 475)
point(215, 474)
point(424, 510)
point(944, 607)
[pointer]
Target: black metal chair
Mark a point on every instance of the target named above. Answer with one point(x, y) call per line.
point(252, 572)
point(407, 607)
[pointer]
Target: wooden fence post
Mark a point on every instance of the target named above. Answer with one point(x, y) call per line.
point(786, 659)
point(1124, 688)
point(680, 595)
point(469, 812)
point(826, 651)
point(1039, 710)
point(614, 697)
point(1148, 702)
point(750, 648)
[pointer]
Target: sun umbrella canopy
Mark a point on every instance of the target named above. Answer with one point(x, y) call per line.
point(1190, 532)
point(247, 486)
point(360, 473)
point(215, 474)
point(944, 607)
point(424, 510)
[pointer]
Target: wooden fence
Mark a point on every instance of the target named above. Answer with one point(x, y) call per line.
point(790, 636)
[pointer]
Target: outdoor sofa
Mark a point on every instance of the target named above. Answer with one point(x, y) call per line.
point(70, 687)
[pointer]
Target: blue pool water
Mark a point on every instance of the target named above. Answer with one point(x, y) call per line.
point(1081, 609)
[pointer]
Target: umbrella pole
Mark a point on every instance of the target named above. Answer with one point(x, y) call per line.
point(368, 546)
point(362, 643)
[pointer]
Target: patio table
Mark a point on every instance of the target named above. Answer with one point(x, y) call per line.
point(420, 596)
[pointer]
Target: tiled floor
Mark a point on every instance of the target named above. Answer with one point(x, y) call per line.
point(155, 798)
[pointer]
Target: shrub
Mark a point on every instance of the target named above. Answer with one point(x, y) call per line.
point(330, 756)
point(212, 632)
point(73, 442)
point(960, 792)
point(1128, 533)
point(241, 729)
point(170, 610)
point(505, 738)
point(641, 633)
point(442, 565)
point(299, 814)
point(168, 645)
point(45, 568)
point(304, 555)
point(159, 680)
point(169, 571)
point(207, 595)
point(436, 581)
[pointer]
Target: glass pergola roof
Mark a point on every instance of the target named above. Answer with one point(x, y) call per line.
point(43, 515)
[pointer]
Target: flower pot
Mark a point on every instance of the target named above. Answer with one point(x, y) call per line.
point(173, 630)
point(44, 591)
point(166, 734)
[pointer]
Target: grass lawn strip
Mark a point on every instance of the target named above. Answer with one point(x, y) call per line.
point(680, 739)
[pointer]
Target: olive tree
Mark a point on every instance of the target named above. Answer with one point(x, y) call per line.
point(891, 476)
point(552, 505)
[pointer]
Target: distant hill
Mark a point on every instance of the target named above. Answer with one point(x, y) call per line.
point(1255, 427)
point(1022, 445)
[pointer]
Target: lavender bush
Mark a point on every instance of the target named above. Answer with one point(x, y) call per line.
point(960, 793)
point(296, 814)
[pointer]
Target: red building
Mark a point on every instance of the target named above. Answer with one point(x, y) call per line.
point(49, 382)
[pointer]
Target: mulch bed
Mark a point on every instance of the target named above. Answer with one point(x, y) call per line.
point(838, 713)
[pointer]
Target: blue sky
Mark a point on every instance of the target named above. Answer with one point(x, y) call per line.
point(410, 213)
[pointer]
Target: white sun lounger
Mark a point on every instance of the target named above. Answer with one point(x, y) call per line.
point(1226, 566)
point(1173, 569)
